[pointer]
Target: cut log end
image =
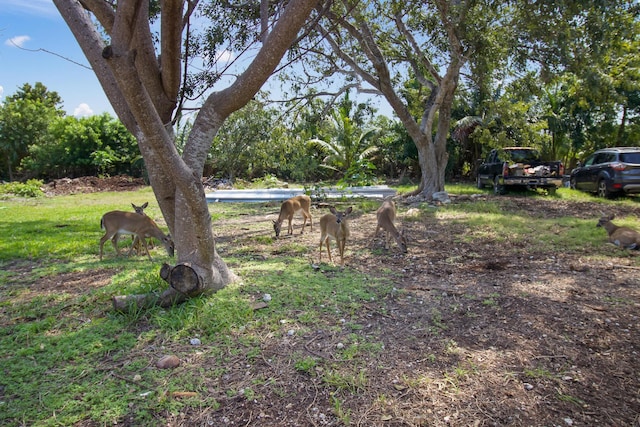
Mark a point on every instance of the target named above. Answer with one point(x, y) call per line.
point(183, 278)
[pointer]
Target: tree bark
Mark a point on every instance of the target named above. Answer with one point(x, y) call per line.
point(143, 91)
point(432, 149)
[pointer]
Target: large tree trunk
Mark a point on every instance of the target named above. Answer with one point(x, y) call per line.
point(432, 149)
point(143, 91)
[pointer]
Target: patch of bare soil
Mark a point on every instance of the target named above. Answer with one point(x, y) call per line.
point(92, 184)
point(475, 334)
point(478, 333)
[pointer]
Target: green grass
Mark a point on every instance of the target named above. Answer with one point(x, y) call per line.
point(68, 358)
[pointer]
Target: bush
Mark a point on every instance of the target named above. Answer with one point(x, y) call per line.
point(31, 188)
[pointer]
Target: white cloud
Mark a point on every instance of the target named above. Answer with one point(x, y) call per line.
point(1, 91)
point(83, 110)
point(17, 41)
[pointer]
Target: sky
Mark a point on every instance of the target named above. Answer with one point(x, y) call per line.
point(37, 46)
point(29, 29)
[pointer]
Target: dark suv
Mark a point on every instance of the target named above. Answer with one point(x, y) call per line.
point(609, 172)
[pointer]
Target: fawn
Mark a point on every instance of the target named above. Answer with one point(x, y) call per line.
point(297, 204)
point(141, 226)
point(624, 237)
point(334, 226)
point(386, 214)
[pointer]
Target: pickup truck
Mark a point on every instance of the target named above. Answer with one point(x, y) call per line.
point(519, 167)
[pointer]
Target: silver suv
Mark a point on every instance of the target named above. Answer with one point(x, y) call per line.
point(609, 172)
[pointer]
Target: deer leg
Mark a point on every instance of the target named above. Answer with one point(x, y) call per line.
point(290, 229)
point(329, 250)
point(341, 244)
point(114, 242)
point(134, 241)
point(102, 240)
point(146, 248)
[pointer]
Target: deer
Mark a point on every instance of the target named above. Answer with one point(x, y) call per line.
point(297, 204)
point(386, 214)
point(335, 226)
point(624, 237)
point(141, 226)
point(140, 210)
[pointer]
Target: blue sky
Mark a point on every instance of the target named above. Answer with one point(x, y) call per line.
point(37, 46)
point(35, 25)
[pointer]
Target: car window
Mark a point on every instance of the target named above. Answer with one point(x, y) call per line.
point(521, 156)
point(630, 158)
point(603, 158)
point(589, 160)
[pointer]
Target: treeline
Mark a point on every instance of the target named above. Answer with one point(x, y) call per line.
point(38, 141)
point(348, 142)
point(352, 144)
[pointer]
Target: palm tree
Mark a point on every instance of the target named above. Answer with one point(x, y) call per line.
point(349, 147)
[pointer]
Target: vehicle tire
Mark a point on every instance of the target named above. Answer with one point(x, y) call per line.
point(603, 191)
point(479, 183)
point(572, 183)
point(497, 188)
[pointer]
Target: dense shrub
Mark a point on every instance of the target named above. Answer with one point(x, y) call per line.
point(31, 188)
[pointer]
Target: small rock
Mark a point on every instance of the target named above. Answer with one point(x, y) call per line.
point(195, 341)
point(291, 332)
point(442, 197)
point(266, 297)
point(568, 421)
point(168, 362)
point(528, 386)
point(340, 345)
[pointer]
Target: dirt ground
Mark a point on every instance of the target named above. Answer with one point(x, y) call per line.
point(477, 334)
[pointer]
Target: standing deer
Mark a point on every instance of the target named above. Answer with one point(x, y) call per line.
point(334, 226)
point(297, 204)
point(624, 237)
point(141, 226)
point(386, 214)
point(140, 210)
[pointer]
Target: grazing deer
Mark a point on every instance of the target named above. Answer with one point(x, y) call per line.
point(624, 237)
point(334, 226)
point(141, 226)
point(386, 214)
point(297, 204)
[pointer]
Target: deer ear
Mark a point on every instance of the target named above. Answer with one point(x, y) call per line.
point(144, 206)
point(349, 209)
point(333, 210)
